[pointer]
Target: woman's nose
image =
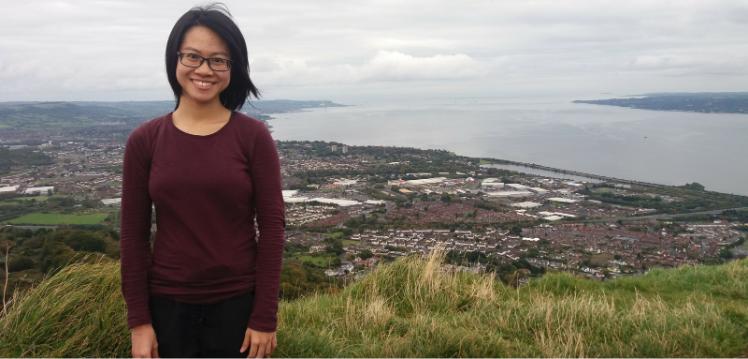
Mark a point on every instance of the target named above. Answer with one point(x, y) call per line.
point(204, 68)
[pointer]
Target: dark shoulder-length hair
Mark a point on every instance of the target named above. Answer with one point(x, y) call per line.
point(217, 18)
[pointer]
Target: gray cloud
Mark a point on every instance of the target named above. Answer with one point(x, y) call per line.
point(349, 50)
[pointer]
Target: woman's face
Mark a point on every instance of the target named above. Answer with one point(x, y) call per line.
point(202, 85)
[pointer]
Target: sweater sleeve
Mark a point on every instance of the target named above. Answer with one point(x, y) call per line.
point(270, 212)
point(135, 229)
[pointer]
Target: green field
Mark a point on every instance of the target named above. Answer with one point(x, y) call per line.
point(59, 218)
point(37, 198)
point(348, 242)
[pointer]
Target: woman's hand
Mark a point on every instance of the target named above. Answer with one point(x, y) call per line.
point(144, 344)
point(262, 343)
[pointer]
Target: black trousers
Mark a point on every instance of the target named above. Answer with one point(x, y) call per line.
point(201, 330)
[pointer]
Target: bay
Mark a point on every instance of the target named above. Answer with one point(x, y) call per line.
point(654, 146)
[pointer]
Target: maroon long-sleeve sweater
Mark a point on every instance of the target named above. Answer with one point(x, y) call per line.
point(206, 191)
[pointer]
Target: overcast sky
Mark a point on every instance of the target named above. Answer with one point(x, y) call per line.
point(359, 51)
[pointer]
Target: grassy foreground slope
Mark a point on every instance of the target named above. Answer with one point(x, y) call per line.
point(413, 308)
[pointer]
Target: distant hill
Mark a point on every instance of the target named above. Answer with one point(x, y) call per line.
point(417, 307)
point(281, 106)
point(707, 102)
point(77, 114)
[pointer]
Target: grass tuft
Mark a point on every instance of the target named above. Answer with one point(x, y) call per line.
point(414, 307)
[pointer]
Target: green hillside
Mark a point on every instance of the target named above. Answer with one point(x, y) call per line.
point(412, 307)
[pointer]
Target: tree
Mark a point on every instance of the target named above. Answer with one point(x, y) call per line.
point(531, 253)
point(515, 231)
point(54, 255)
point(298, 279)
point(696, 186)
point(334, 246)
point(725, 254)
point(85, 241)
point(365, 254)
point(20, 263)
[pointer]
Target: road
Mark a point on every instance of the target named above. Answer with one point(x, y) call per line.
point(664, 215)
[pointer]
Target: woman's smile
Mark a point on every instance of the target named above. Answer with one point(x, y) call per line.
point(203, 84)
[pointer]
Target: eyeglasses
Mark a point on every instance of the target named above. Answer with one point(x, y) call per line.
point(194, 60)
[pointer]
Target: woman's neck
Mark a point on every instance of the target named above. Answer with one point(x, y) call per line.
point(194, 112)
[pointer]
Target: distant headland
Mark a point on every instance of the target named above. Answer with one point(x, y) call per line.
point(705, 102)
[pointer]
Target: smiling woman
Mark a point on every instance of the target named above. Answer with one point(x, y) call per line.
point(218, 38)
point(210, 286)
point(198, 83)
